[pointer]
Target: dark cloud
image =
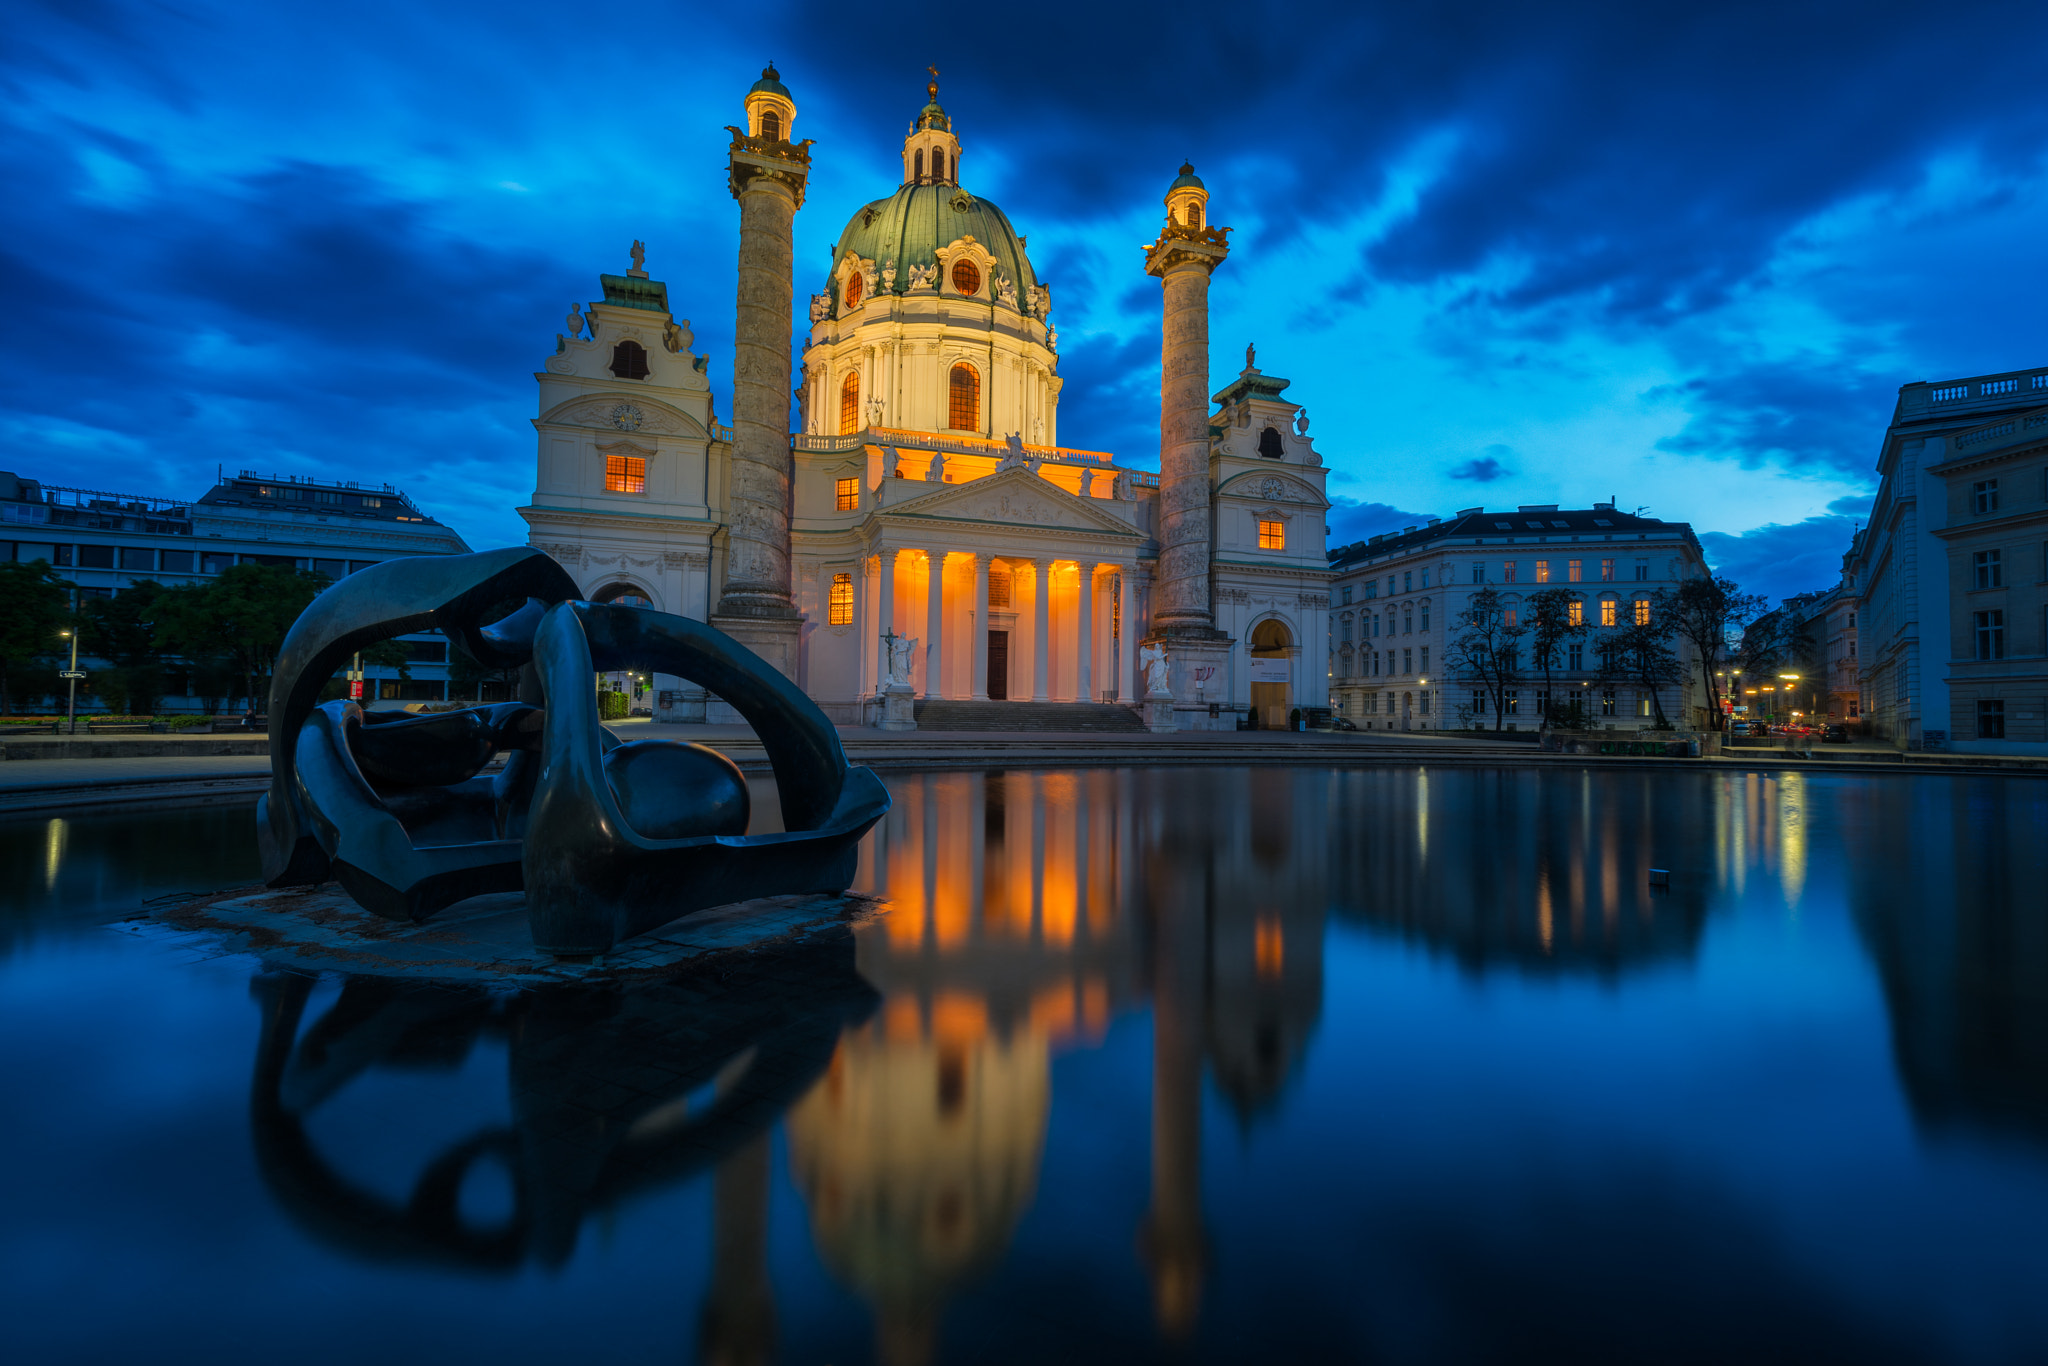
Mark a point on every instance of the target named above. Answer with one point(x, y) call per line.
point(1813, 415)
point(1111, 398)
point(1353, 519)
point(1484, 469)
point(1779, 560)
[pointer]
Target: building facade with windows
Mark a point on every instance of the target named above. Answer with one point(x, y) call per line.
point(1953, 568)
point(929, 504)
point(1398, 601)
point(103, 542)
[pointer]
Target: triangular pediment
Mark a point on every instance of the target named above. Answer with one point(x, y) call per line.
point(1015, 497)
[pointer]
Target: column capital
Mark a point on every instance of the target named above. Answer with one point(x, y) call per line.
point(767, 164)
point(1180, 247)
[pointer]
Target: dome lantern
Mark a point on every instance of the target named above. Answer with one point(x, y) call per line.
point(1187, 199)
point(770, 108)
point(931, 154)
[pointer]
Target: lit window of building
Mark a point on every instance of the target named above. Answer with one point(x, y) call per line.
point(846, 494)
point(1607, 612)
point(1575, 613)
point(1272, 535)
point(840, 610)
point(1642, 611)
point(1543, 571)
point(625, 474)
point(849, 404)
point(1572, 571)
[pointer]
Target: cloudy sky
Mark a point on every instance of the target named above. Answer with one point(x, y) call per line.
point(1508, 253)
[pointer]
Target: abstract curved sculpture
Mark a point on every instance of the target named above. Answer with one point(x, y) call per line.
point(607, 840)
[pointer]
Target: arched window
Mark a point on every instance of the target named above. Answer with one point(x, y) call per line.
point(771, 126)
point(853, 288)
point(917, 165)
point(629, 360)
point(966, 277)
point(849, 404)
point(938, 164)
point(963, 399)
point(622, 595)
point(1269, 443)
point(1194, 215)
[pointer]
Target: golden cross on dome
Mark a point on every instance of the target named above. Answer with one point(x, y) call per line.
point(932, 86)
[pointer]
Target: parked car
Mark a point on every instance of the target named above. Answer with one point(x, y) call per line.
point(1835, 735)
point(1342, 723)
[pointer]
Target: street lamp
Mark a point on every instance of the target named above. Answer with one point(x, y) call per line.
point(72, 673)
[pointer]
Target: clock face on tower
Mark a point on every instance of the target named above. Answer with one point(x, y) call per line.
point(627, 418)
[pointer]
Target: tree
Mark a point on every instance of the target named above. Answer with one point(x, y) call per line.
point(1706, 612)
point(1488, 652)
point(241, 616)
point(122, 631)
point(1640, 653)
point(33, 609)
point(1555, 616)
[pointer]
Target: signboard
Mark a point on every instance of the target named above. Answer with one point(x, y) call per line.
point(72, 673)
point(1271, 670)
point(355, 690)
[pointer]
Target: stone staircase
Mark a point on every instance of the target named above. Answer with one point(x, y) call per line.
point(1060, 717)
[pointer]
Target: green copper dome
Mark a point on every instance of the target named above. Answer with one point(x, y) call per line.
point(908, 228)
point(770, 83)
point(1188, 179)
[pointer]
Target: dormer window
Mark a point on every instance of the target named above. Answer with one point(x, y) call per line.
point(629, 360)
point(771, 126)
point(1269, 443)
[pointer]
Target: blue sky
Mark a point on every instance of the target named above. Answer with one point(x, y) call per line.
point(1680, 255)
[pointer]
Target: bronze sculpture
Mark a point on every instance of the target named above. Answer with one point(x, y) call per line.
point(607, 840)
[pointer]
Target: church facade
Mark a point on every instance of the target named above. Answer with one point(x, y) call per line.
point(923, 528)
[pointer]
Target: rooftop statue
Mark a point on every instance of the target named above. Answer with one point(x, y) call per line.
point(607, 839)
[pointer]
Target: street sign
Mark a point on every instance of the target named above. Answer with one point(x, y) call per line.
point(355, 690)
point(72, 673)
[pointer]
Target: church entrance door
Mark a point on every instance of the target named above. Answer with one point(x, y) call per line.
point(998, 666)
point(1271, 675)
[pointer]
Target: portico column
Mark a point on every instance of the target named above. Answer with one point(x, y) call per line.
point(1127, 643)
point(885, 615)
point(1084, 636)
point(977, 638)
point(935, 626)
point(1041, 629)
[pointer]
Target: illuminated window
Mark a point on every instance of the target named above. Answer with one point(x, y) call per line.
point(1507, 572)
point(846, 494)
point(853, 288)
point(1607, 571)
point(1543, 571)
point(1571, 571)
point(1607, 610)
point(963, 398)
point(966, 277)
point(625, 474)
point(849, 404)
point(629, 360)
point(1642, 611)
point(1575, 613)
point(840, 610)
point(1272, 535)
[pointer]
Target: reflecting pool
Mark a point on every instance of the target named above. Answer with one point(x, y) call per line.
point(1232, 1064)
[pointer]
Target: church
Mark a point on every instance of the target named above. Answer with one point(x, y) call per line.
point(923, 537)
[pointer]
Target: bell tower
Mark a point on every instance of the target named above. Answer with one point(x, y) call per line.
point(931, 154)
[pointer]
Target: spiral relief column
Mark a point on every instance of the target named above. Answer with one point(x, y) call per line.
point(767, 174)
point(1186, 254)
